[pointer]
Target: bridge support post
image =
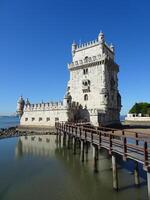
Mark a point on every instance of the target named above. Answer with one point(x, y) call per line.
point(95, 156)
point(115, 172)
point(136, 174)
point(148, 184)
point(64, 139)
point(82, 150)
point(68, 141)
point(86, 151)
point(59, 138)
point(74, 145)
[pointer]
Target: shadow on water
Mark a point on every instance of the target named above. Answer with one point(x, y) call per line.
point(142, 184)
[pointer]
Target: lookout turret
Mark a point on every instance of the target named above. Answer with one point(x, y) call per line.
point(20, 106)
point(74, 46)
point(101, 38)
point(27, 102)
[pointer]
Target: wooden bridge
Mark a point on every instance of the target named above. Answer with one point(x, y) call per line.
point(128, 144)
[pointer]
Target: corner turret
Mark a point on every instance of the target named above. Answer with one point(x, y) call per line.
point(101, 38)
point(27, 102)
point(74, 46)
point(20, 106)
point(112, 47)
point(67, 98)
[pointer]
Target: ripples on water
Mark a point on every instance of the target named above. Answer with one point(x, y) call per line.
point(41, 169)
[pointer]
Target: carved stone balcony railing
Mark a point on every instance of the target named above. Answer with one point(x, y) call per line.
point(86, 88)
point(88, 60)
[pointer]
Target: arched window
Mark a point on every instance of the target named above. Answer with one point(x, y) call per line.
point(86, 59)
point(85, 83)
point(85, 97)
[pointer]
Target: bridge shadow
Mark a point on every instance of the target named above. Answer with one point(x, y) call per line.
point(142, 184)
point(134, 126)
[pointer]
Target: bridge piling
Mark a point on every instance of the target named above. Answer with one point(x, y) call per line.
point(68, 141)
point(115, 172)
point(136, 174)
point(82, 150)
point(148, 184)
point(74, 145)
point(64, 140)
point(95, 156)
point(86, 150)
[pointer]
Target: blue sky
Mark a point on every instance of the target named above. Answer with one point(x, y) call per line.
point(36, 38)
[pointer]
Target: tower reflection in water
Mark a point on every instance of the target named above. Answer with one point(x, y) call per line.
point(43, 146)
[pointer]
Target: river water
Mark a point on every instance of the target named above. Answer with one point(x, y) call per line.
point(40, 168)
point(8, 121)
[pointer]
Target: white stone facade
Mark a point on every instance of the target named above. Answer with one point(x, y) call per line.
point(92, 91)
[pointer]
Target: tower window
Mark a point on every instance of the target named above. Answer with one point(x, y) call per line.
point(33, 118)
point(85, 71)
point(85, 97)
point(40, 119)
point(26, 119)
point(47, 119)
point(56, 119)
point(86, 59)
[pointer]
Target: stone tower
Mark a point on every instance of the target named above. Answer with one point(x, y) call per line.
point(93, 81)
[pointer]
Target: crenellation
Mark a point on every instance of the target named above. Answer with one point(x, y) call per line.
point(43, 106)
point(87, 45)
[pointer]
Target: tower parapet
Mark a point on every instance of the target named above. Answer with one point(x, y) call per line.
point(44, 106)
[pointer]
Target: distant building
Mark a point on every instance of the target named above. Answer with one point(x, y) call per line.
point(134, 117)
point(92, 92)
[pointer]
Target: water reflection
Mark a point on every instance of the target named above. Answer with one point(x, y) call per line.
point(36, 145)
point(46, 169)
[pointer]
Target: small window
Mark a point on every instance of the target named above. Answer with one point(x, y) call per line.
point(40, 119)
point(85, 83)
point(85, 97)
point(86, 59)
point(26, 119)
point(33, 119)
point(94, 58)
point(56, 119)
point(85, 71)
point(47, 119)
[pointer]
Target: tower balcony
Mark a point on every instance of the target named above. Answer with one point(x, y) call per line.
point(85, 89)
point(88, 61)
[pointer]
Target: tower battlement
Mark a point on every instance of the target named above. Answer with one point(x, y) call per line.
point(80, 47)
point(44, 106)
point(91, 49)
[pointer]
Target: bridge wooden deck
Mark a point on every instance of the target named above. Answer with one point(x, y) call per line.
point(128, 144)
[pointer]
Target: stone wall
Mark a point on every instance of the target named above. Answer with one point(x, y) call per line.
point(43, 117)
